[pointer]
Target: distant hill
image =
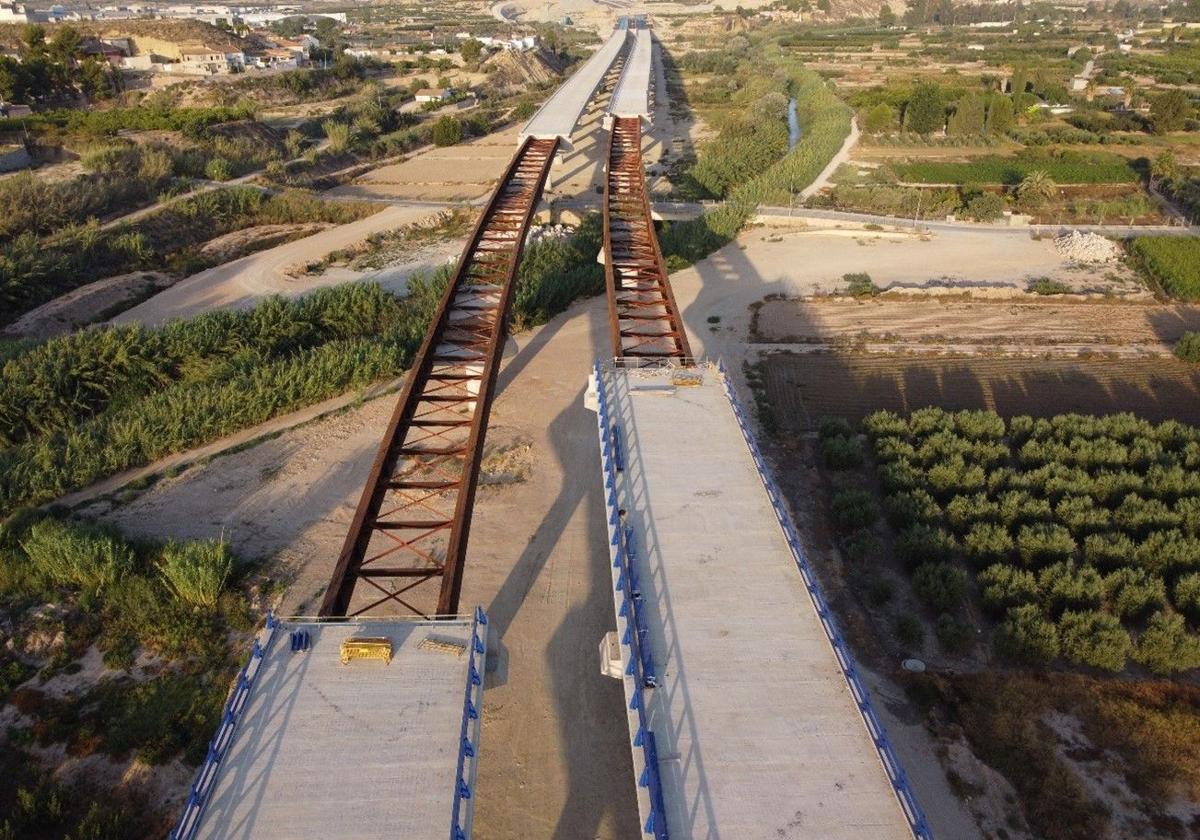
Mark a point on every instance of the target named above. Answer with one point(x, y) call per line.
point(162, 37)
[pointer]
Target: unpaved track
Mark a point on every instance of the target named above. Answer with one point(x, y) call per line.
point(1148, 327)
point(242, 283)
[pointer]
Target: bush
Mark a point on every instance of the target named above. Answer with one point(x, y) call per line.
point(1187, 595)
point(909, 631)
point(853, 509)
point(860, 285)
point(940, 585)
point(919, 544)
point(953, 634)
point(1133, 593)
point(834, 427)
point(218, 169)
point(195, 572)
point(74, 555)
point(1064, 586)
point(988, 542)
point(1094, 638)
point(986, 207)
point(841, 453)
point(447, 131)
point(909, 507)
point(1188, 347)
point(1041, 544)
point(1027, 636)
point(860, 546)
point(1005, 586)
point(1166, 646)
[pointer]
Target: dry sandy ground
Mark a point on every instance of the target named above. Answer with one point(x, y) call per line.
point(1150, 329)
point(84, 305)
point(276, 271)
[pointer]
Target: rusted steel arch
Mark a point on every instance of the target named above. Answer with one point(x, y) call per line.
point(643, 320)
point(411, 525)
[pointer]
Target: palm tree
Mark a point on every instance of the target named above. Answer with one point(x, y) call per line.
point(1036, 189)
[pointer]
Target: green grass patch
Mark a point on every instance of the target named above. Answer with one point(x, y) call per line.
point(1173, 262)
point(1064, 167)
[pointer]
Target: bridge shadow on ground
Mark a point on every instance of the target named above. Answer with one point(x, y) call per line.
point(550, 609)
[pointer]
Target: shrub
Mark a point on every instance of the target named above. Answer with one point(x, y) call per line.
point(77, 556)
point(988, 542)
point(841, 453)
point(1188, 347)
point(447, 131)
point(901, 475)
point(954, 477)
point(962, 512)
point(954, 635)
point(919, 544)
point(1094, 638)
point(853, 509)
point(218, 169)
point(860, 285)
point(1064, 586)
point(1132, 593)
point(1018, 508)
point(986, 207)
point(893, 449)
point(1004, 586)
point(879, 591)
point(861, 545)
point(1167, 551)
point(339, 135)
point(195, 572)
point(1041, 543)
point(1081, 516)
point(940, 585)
point(885, 423)
point(1046, 286)
point(912, 506)
point(1027, 636)
point(1187, 595)
point(1107, 551)
point(909, 631)
point(1166, 646)
point(834, 427)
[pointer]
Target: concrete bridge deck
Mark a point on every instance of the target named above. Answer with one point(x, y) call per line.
point(632, 95)
point(759, 726)
point(559, 114)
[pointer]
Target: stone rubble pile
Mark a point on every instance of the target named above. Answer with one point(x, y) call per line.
point(1079, 247)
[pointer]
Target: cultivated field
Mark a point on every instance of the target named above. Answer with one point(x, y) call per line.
point(804, 389)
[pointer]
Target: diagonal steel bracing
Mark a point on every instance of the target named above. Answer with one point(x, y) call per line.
point(644, 322)
point(409, 531)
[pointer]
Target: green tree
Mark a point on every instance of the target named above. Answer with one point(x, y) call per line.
point(471, 50)
point(1166, 646)
point(879, 119)
point(327, 31)
point(1094, 638)
point(1169, 111)
point(447, 131)
point(1036, 189)
point(886, 16)
point(1026, 635)
point(968, 117)
point(940, 585)
point(1000, 117)
point(925, 112)
point(1164, 167)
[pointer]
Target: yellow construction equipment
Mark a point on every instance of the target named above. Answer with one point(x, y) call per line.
point(367, 647)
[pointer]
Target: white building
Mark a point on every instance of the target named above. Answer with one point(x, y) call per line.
point(14, 13)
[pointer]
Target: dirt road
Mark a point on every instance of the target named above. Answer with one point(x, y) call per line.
point(242, 283)
point(1044, 324)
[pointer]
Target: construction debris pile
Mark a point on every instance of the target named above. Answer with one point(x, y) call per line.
point(1079, 247)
